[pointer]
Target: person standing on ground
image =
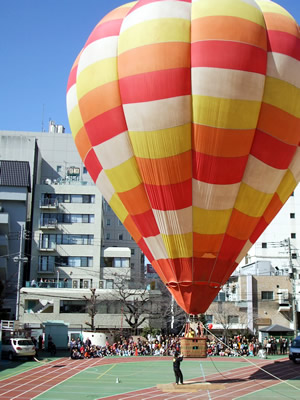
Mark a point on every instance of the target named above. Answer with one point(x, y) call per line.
point(176, 367)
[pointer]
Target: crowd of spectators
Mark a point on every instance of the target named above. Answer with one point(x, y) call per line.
point(158, 346)
point(161, 345)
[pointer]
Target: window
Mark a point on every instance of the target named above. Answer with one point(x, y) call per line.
point(50, 241)
point(108, 222)
point(220, 297)
point(292, 215)
point(267, 295)
point(109, 284)
point(119, 223)
point(121, 262)
point(46, 263)
point(107, 236)
point(264, 245)
point(58, 168)
point(120, 236)
point(293, 235)
point(209, 319)
point(84, 171)
point(132, 252)
point(294, 256)
point(233, 319)
point(72, 306)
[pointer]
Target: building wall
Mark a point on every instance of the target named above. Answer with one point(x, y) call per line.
point(61, 272)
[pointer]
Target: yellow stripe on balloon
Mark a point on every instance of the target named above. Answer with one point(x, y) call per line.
point(75, 121)
point(95, 75)
point(232, 114)
point(161, 143)
point(268, 6)
point(118, 207)
point(179, 246)
point(210, 222)
point(125, 176)
point(251, 201)
point(282, 95)
point(154, 31)
point(229, 8)
point(287, 185)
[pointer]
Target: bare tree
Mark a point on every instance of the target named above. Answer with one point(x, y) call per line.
point(227, 315)
point(91, 308)
point(135, 303)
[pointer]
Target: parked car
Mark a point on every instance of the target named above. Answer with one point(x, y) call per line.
point(294, 354)
point(18, 347)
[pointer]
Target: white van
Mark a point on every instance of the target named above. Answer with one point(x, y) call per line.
point(294, 354)
point(18, 347)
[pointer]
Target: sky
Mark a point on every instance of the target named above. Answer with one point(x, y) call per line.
point(39, 41)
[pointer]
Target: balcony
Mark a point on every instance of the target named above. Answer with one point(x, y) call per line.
point(49, 204)
point(48, 249)
point(49, 285)
point(283, 301)
point(49, 224)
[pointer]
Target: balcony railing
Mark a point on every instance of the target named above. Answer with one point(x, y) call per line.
point(49, 224)
point(49, 284)
point(49, 203)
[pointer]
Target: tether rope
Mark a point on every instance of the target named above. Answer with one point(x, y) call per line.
point(250, 362)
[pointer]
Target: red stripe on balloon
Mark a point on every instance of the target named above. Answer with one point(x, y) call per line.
point(145, 249)
point(107, 29)
point(229, 55)
point(93, 165)
point(218, 170)
point(272, 151)
point(170, 197)
point(260, 227)
point(284, 43)
point(72, 78)
point(106, 126)
point(155, 85)
point(231, 248)
point(146, 224)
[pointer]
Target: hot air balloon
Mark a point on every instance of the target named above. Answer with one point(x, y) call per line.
point(187, 116)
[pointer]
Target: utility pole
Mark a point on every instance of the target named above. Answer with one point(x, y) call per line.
point(292, 277)
point(20, 261)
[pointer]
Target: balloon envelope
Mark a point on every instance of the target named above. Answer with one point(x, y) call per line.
point(186, 114)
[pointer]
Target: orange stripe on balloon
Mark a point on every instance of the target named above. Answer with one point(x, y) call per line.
point(166, 171)
point(279, 123)
point(135, 200)
point(83, 143)
point(279, 22)
point(241, 225)
point(132, 228)
point(206, 244)
point(273, 208)
point(228, 28)
point(100, 100)
point(165, 267)
point(154, 57)
point(222, 142)
point(261, 226)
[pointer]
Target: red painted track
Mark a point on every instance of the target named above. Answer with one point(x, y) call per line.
point(29, 384)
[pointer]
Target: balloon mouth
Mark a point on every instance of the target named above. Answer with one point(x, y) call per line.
point(174, 285)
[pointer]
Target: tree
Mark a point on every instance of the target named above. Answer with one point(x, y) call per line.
point(91, 308)
point(227, 315)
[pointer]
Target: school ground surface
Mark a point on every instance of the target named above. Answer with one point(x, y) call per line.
point(149, 378)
